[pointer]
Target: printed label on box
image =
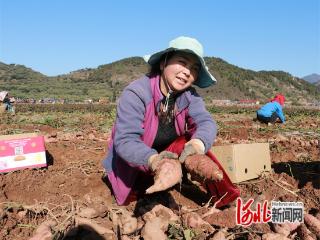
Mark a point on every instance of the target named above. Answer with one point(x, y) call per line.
point(27, 152)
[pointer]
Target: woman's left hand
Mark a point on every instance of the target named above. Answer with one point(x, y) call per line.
point(194, 146)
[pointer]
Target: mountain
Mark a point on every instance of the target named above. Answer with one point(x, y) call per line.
point(108, 80)
point(312, 78)
point(15, 72)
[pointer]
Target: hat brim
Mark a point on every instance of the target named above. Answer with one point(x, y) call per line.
point(205, 78)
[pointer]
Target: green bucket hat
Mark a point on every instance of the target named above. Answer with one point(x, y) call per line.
point(190, 45)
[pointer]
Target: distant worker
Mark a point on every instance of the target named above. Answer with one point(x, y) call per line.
point(272, 111)
point(7, 101)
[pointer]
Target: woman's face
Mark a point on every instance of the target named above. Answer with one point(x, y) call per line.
point(181, 70)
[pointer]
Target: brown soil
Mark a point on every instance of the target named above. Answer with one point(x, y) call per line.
point(75, 179)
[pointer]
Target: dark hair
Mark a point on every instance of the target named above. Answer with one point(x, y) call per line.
point(155, 68)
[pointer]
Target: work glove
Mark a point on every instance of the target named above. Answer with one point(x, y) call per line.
point(155, 159)
point(167, 169)
point(194, 146)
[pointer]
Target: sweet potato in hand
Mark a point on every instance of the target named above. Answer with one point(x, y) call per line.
point(204, 167)
point(168, 173)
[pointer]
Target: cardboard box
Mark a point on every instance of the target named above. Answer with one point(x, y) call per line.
point(22, 151)
point(244, 161)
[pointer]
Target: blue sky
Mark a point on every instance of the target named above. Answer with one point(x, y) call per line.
point(59, 36)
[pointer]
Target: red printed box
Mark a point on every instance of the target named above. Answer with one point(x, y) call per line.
point(22, 151)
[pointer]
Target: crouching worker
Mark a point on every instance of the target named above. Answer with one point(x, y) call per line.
point(272, 111)
point(159, 118)
point(6, 102)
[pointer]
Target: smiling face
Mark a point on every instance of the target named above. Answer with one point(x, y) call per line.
point(180, 71)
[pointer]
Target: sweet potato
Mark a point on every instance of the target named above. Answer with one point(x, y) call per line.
point(96, 202)
point(115, 221)
point(193, 220)
point(154, 229)
point(157, 219)
point(220, 235)
point(281, 229)
point(161, 212)
point(225, 218)
point(168, 174)
point(43, 232)
point(304, 233)
point(274, 236)
point(88, 213)
point(285, 228)
point(129, 223)
point(313, 224)
point(204, 167)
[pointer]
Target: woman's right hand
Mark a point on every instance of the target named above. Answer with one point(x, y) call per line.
point(168, 173)
point(155, 159)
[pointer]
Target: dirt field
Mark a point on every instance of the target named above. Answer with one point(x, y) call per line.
point(72, 198)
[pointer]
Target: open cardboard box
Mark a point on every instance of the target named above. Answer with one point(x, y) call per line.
point(244, 161)
point(21, 151)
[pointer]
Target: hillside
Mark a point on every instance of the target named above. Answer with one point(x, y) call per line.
point(108, 80)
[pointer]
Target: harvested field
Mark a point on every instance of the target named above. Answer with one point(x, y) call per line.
point(70, 199)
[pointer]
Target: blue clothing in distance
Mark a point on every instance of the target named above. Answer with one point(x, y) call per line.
point(271, 107)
